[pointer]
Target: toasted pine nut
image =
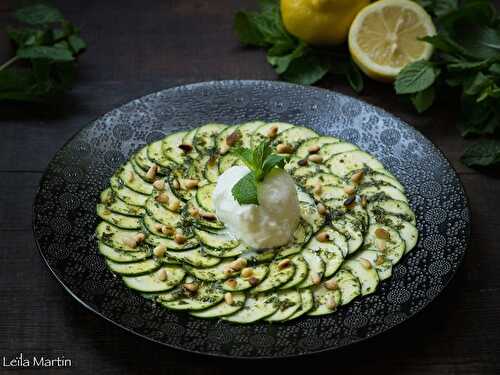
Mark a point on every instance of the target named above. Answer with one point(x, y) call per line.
point(322, 209)
point(350, 190)
point(194, 212)
point(303, 163)
point(162, 198)
point(317, 188)
point(364, 201)
point(162, 275)
point(318, 159)
point(247, 272)
point(139, 237)
point(330, 303)
point(228, 270)
point(192, 287)
point(253, 281)
point(224, 148)
point(380, 244)
point(228, 298)
point(190, 183)
point(313, 149)
point(208, 216)
point(382, 234)
point(159, 250)
point(186, 148)
point(238, 264)
point(357, 177)
point(159, 184)
point(331, 284)
point(158, 226)
point(174, 205)
point(323, 237)
point(130, 242)
point(180, 238)
point(316, 279)
point(176, 185)
point(167, 229)
point(151, 174)
point(231, 283)
point(380, 260)
point(272, 132)
point(130, 176)
point(365, 263)
point(284, 148)
point(233, 138)
point(284, 263)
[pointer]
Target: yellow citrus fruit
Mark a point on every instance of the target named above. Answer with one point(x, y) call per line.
point(320, 21)
point(384, 37)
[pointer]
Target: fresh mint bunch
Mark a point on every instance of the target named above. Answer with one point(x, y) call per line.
point(48, 45)
point(261, 161)
point(292, 59)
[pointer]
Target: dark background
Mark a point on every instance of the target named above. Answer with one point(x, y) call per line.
point(138, 47)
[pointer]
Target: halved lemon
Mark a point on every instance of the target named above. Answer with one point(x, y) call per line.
point(384, 37)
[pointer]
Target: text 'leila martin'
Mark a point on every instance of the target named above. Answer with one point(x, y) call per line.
point(35, 361)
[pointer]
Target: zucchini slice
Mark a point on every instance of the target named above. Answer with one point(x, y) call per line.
point(379, 262)
point(204, 197)
point(301, 236)
point(322, 179)
point(113, 203)
point(155, 154)
point(219, 240)
point(257, 307)
point(115, 237)
point(127, 195)
point(193, 257)
point(222, 138)
point(288, 303)
point(227, 161)
point(407, 231)
point(382, 192)
point(316, 268)
point(331, 252)
point(346, 162)
point(205, 138)
point(161, 214)
point(301, 271)
point(325, 300)
point(306, 303)
point(238, 283)
point(142, 160)
point(352, 229)
point(301, 170)
point(118, 256)
point(170, 147)
point(329, 150)
point(136, 268)
point(119, 220)
point(151, 283)
point(374, 178)
point(223, 308)
point(206, 296)
point(215, 273)
point(226, 253)
point(210, 168)
point(247, 130)
point(393, 207)
point(310, 214)
point(262, 132)
point(277, 276)
point(394, 246)
point(295, 136)
point(367, 276)
point(171, 244)
point(348, 284)
point(133, 181)
point(303, 150)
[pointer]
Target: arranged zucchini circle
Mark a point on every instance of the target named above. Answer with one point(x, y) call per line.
point(159, 232)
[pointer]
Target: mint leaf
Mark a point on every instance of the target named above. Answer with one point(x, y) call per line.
point(39, 14)
point(306, 70)
point(445, 43)
point(271, 162)
point(281, 63)
point(45, 52)
point(483, 153)
point(77, 44)
point(445, 7)
point(246, 26)
point(416, 77)
point(354, 77)
point(246, 156)
point(245, 190)
point(423, 100)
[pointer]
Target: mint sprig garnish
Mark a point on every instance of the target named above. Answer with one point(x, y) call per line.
point(261, 161)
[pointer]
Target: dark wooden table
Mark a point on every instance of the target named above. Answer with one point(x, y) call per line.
point(138, 47)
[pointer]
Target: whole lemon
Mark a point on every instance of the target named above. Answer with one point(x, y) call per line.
point(320, 21)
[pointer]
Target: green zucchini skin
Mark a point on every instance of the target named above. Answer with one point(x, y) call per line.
point(181, 261)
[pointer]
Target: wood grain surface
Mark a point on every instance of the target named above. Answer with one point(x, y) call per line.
point(138, 47)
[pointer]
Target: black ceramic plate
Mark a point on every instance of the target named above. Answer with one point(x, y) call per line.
point(65, 220)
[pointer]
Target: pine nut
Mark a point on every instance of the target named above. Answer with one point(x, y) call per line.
point(253, 281)
point(228, 298)
point(318, 159)
point(224, 148)
point(331, 284)
point(380, 244)
point(283, 264)
point(159, 250)
point(159, 184)
point(233, 138)
point(174, 205)
point(382, 234)
point(139, 237)
point(238, 264)
point(186, 148)
point(350, 190)
point(350, 202)
point(272, 132)
point(364, 201)
point(247, 272)
point(189, 183)
point(191, 287)
point(162, 275)
point(194, 212)
point(167, 229)
point(130, 176)
point(158, 226)
point(380, 260)
point(303, 163)
point(365, 263)
point(357, 177)
point(330, 303)
point(208, 216)
point(151, 174)
point(130, 242)
point(323, 237)
point(284, 148)
point(232, 283)
point(228, 270)
point(176, 185)
point(317, 189)
point(322, 209)
point(162, 198)
point(313, 149)
point(316, 279)
point(180, 238)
